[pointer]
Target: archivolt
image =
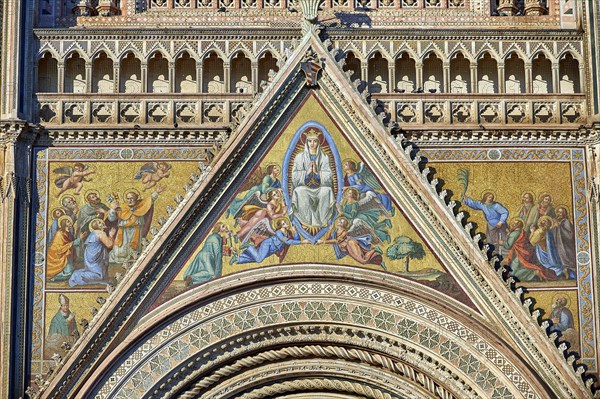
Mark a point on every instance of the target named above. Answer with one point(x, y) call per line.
point(372, 324)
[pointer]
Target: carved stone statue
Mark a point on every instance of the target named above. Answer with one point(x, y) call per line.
point(431, 85)
point(216, 85)
point(105, 85)
point(567, 86)
point(78, 84)
point(405, 85)
point(540, 86)
point(188, 85)
point(379, 85)
point(243, 85)
point(458, 85)
point(160, 85)
point(485, 85)
point(133, 84)
point(513, 85)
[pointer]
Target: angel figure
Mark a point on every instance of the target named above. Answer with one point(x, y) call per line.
point(367, 209)
point(152, 172)
point(259, 181)
point(255, 209)
point(277, 235)
point(72, 177)
point(355, 240)
point(358, 176)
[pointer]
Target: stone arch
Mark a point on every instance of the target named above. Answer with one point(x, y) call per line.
point(378, 73)
point(267, 68)
point(354, 64)
point(241, 72)
point(406, 72)
point(541, 69)
point(78, 51)
point(433, 72)
point(47, 70)
point(569, 73)
point(130, 75)
point(213, 79)
point(102, 73)
point(75, 73)
point(487, 73)
point(325, 315)
point(460, 72)
point(514, 67)
point(158, 73)
point(185, 73)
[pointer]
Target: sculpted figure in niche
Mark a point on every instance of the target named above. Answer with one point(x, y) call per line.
point(540, 86)
point(244, 85)
point(78, 84)
point(160, 85)
point(216, 85)
point(485, 85)
point(567, 86)
point(188, 85)
point(513, 85)
point(379, 85)
point(105, 85)
point(431, 85)
point(405, 85)
point(458, 85)
point(133, 84)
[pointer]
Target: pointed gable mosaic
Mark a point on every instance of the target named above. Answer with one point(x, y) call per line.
point(312, 199)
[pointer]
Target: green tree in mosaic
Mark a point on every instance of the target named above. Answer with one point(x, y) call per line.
point(405, 248)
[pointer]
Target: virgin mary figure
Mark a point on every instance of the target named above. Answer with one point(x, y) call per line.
point(313, 201)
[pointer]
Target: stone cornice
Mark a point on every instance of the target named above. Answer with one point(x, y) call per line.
point(276, 33)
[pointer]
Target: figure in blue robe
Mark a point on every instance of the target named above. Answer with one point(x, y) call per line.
point(361, 178)
point(275, 244)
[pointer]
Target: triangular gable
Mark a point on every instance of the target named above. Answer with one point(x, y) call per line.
point(501, 311)
point(377, 233)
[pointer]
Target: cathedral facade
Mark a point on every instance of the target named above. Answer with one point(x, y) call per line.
point(300, 199)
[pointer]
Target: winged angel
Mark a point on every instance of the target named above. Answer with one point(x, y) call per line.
point(269, 238)
point(152, 172)
point(258, 207)
point(72, 177)
point(366, 209)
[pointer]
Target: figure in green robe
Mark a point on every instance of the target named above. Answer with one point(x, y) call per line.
point(208, 263)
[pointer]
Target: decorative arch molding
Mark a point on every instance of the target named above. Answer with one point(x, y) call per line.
point(233, 333)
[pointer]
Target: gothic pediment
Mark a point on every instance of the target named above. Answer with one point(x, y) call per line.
point(232, 334)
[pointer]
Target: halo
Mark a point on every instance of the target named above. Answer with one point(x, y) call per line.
point(64, 217)
point(132, 190)
point(92, 223)
point(516, 220)
point(547, 218)
point(275, 221)
point(530, 193)
point(351, 189)
point(91, 191)
point(62, 198)
point(555, 297)
point(350, 160)
point(542, 195)
point(57, 209)
point(343, 218)
point(486, 192)
point(566, 208)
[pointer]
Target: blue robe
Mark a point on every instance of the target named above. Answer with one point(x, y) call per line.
point(356, 182)
point(208, 263)
point(268, 247)
point(95, 260)
point(550, 258)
